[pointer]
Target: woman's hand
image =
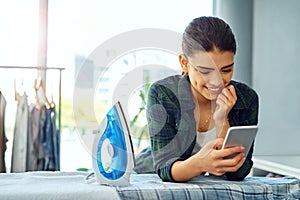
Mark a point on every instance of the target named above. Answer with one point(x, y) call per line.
point(224, 104)
point(213, 160)
point(209, 159)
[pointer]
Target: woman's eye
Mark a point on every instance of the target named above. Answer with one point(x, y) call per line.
point(227, 70)
point(205, 73)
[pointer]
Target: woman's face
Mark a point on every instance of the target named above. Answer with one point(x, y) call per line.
point(209, 72)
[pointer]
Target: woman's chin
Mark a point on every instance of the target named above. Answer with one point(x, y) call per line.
point(211, 97)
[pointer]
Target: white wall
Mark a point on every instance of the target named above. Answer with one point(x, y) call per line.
point(276, 75)
point(271, 29)
point(239, 15)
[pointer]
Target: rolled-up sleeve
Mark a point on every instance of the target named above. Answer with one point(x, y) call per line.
point(167, 129)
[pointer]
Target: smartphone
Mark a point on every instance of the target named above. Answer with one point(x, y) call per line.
point(240, 136)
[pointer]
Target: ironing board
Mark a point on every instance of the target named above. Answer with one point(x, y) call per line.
point(71, 185)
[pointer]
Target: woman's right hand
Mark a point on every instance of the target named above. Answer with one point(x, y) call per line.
point(208, 159)
point(212, 158)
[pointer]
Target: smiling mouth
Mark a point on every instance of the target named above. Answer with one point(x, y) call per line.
point(215, 90)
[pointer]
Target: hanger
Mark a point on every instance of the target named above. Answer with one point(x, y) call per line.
point(17, 96)
point(41, 92)
point(20, 89)
point(38, 101)
point(52, 102)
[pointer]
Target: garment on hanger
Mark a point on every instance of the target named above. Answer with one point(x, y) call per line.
point(49, 141)
point(35, 146)
point(19, 150)
point(33, 138)
point(56, 137)
point(3, 138)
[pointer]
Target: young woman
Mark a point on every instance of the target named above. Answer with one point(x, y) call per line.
point(188, 115)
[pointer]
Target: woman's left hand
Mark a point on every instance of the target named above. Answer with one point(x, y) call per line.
point(224, 104)
point(213, 160)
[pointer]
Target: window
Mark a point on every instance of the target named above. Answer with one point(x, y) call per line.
point(75, 30)
point(18, 39)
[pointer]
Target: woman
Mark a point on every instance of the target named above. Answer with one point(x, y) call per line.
point(189, 115)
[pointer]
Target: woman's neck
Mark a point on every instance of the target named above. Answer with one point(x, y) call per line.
point(204, 109)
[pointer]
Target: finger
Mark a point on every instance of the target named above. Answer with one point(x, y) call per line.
point(230, 165)
point(231, 162)
point(231, 89)
point(236, 167)
point(218, 143)
point(222, 98)
point(231, 150)
point(228, 94)
point(214, 143)
point(227, 98)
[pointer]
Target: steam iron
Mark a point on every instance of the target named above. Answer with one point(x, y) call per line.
point(113, 156)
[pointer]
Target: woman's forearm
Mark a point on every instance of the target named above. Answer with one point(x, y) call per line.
point(186, 170)
point(222, 128)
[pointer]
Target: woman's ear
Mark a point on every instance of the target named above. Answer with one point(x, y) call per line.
point(183, 62)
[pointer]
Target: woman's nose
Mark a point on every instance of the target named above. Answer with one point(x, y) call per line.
point(216, 79)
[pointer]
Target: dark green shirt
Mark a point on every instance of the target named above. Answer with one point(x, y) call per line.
point(172, 126)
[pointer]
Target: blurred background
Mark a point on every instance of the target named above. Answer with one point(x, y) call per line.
point(63, 36)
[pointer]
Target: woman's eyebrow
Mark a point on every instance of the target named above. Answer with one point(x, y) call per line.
point(228, 66)
point(205, 68)
point(211, 68)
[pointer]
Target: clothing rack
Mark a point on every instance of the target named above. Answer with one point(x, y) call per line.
point(59, 89)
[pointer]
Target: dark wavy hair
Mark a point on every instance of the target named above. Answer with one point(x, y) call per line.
point(207, 33)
